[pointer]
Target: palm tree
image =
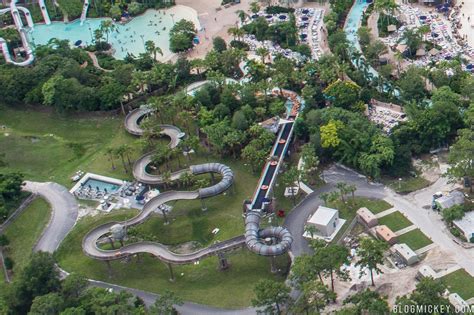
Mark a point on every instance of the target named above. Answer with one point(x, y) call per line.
point(152, 50)
point(127, 150)
point(342, 190)
point(166, 179)
point(254, 7)
point(310, 229)
point(242, 15)
point(107, 27)
point(262, 52)
point(120, 151)
point(111, 153)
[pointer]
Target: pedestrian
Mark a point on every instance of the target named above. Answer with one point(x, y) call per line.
point(215, 19)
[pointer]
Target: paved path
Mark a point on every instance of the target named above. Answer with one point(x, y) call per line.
point(95, 62)
point(63, 215)
point(406, 230)
point(386, 212)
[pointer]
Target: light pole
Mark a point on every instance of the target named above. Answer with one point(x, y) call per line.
point(400, 183)
point(172, 17)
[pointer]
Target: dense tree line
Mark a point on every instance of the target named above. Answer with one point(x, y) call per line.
point(10, 190)
point(38, 289)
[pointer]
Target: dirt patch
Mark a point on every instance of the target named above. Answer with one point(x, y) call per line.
point(186, 248)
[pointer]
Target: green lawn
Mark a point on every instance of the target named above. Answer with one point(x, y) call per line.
point(348, 209)
point(395, 221)
point(407, 185)
point(201, 283)
point(25, 230)
point(460, 282)
point(46, 146)
point(414, 239)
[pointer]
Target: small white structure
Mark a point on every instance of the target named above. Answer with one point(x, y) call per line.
point(454, 198)
point(459, 304)
point(466, 225)
point(426, 271)
point(327, 223)
point(291, 191)
point(406, 254)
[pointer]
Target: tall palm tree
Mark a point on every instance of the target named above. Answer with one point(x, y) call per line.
point(111, 153)
point(152, 50)
point(262, 52)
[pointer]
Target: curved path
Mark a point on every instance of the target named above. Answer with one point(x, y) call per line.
point(63, 215)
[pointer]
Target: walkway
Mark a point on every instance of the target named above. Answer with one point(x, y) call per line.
point(95, 62)
point(64, 211)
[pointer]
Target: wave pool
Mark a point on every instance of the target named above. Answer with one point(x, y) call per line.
point(130, 38)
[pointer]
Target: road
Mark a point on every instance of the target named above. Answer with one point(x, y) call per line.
point(63, 215)
point(297, 218)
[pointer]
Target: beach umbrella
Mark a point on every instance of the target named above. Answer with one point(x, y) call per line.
point(422, 17)
point(78, 43)
point(469, 66)
point(305, 11)
point(282, 17)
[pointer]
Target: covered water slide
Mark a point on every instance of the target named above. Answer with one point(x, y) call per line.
point(19, 26)
point(44, 12)
point(90, 241)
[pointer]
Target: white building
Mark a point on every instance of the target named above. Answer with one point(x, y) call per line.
point(466, 225)
point(327, 223)
point(406, 254)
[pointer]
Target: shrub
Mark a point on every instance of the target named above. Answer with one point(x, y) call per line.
point(8, 263)
point(239, 45)
point(277, 9)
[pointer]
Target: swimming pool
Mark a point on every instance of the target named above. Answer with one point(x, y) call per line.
point(102, 185)
point(130, 38)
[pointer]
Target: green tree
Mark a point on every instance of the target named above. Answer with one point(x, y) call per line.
point(38, 277)
point(329, 134)
point(49, 304)
point(453, 213)
point(165, 304)
point(371, 253)
point(152, 50)
point(271, 295)
point(182, 35)
point(428, 292)
point(219, 44)
point(368, 302)
point(107, 27)
point(331, 258)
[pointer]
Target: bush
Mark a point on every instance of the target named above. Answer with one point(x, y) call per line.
point(135, 8)
point(219, 44)
point(239, 45)
point(277, 9)
point(8, 263)
point(102, 46)
point(71, 8)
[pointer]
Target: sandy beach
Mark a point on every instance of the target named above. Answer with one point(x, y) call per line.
point(468, 10)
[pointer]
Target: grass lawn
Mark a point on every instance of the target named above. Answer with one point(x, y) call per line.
point(25, 230)
point(348, 209)
point(395, 221)
point(201, 283)
point(190, 223)
point(407, 185)
point(460, 282)
point(414, 239)
point(46, 146)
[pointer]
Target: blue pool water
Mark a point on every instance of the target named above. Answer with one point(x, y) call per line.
point(128, 38)
point(94, 183)
point(353, 21)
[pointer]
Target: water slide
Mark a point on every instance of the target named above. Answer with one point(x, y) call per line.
point(132, 125)
point(44, 12)
point(85, 7)
point(19, 26)
point(262, 242)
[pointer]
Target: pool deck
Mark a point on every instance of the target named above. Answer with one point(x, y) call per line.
point(88, 176)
